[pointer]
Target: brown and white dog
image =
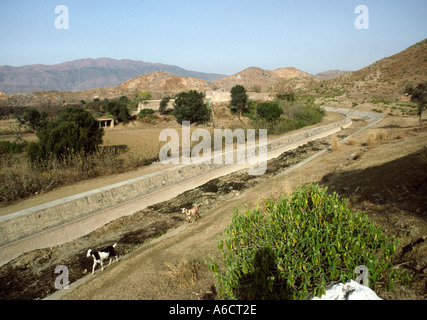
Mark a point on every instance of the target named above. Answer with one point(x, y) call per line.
point(192, 212)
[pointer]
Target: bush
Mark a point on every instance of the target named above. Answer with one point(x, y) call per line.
point(74, 131)
point(145, 112)
point(33, 118)
point(289, 96)
point(7, 147)
point(297, 115)
point(269, 111)
point(291, 249)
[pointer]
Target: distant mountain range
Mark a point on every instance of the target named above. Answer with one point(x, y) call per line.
point(84, 74)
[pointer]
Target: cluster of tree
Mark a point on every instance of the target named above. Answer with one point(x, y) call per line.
point(7, 112)
point(117, 108)
point(269, 110)
point(33, 118)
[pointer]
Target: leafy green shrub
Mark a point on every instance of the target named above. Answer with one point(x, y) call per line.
point(7, 147)
point(145, 112)
point(296, 116)
point(74, 131)
point(309, 114)
point(33, 118)
point(289, 96)
point(269, 111)
point(291, 249)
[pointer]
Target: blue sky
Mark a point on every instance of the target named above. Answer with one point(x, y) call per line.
point(220, 36)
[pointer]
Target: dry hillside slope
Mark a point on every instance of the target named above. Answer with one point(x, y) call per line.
point(257, 79)
point(163, 81)
point(386, 78)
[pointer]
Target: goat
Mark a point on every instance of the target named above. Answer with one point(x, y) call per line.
point(192, 212)
point(100, 256)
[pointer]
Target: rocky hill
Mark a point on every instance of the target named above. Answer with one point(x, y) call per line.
point(257, 79)
point(83, 74)
point(330, 74)
point(163, 81)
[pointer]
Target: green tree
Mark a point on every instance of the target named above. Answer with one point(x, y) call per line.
point(118, 108)
point(418, 96)
point(239, 99)
point(190, 106)
point(74, 131)
point(163, 105)
point(33, 118)
point(269, 110)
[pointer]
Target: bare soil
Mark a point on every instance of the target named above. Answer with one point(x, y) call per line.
point(381, 170)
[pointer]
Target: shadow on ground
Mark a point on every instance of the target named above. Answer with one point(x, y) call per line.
point(394, 195)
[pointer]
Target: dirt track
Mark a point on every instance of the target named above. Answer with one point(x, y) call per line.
point(144, 274)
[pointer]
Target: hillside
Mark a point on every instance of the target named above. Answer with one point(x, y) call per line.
point(330, 74)
point(83, 74)
point(257, 79)
point(163, 81)
point(386, 78)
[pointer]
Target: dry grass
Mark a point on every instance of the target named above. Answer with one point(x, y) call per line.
point(400, 135)
point(376, 137)
point(184, 273)
point(351, 142)
point(19, 180)
point(280, 189)
point(334, 143)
